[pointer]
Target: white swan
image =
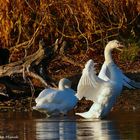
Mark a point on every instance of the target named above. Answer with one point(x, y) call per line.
point(56, 101)
point(102, 91)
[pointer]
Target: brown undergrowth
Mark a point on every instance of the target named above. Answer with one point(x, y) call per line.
point(80, 22)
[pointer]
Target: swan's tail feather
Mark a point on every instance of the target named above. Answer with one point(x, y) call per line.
point(88, 115)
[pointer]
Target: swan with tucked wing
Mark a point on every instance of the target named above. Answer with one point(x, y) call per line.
point(57, 101)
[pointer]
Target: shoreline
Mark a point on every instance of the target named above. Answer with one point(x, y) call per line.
point(128, 101)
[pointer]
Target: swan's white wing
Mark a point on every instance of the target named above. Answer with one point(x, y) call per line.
point(127, 82)
point(43, 94)
point(89, 84)
point(65, 100)
point(86, 89)
point(64, 96)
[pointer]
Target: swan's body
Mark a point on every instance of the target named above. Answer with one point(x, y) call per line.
point(56, 101)
point(102, 91)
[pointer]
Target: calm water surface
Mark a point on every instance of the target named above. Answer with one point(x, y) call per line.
point(31, 126)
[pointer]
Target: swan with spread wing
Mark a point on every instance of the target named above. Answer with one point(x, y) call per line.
point(104, 88)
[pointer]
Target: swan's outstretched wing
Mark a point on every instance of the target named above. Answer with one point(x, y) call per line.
point(127, 82)
point(130, 83)
point(89, 84)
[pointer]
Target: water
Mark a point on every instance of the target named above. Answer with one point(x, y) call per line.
point(31, 126)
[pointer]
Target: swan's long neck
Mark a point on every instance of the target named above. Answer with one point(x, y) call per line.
point(61, 85)
point(108, 55)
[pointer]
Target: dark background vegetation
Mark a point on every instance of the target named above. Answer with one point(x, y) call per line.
point(73, 32)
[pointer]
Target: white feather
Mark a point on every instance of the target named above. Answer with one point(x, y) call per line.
point(102, 89)
point(127, 82)
point(56, 101)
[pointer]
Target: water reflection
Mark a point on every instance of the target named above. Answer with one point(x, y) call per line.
point(16, 126)
point(63, 129)
point(68, 129)
point(97, 130)
point(28, 126)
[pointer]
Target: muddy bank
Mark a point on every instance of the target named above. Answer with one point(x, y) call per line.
point(128, 101)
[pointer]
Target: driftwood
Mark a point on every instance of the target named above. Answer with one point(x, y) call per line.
point(25, 66)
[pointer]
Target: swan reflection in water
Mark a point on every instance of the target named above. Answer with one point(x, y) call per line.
point(67, 129)
point(56, 129)
point(97, 130)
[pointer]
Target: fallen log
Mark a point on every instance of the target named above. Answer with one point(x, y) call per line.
point(25, 66)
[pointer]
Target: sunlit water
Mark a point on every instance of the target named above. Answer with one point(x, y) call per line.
point(31, 126)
